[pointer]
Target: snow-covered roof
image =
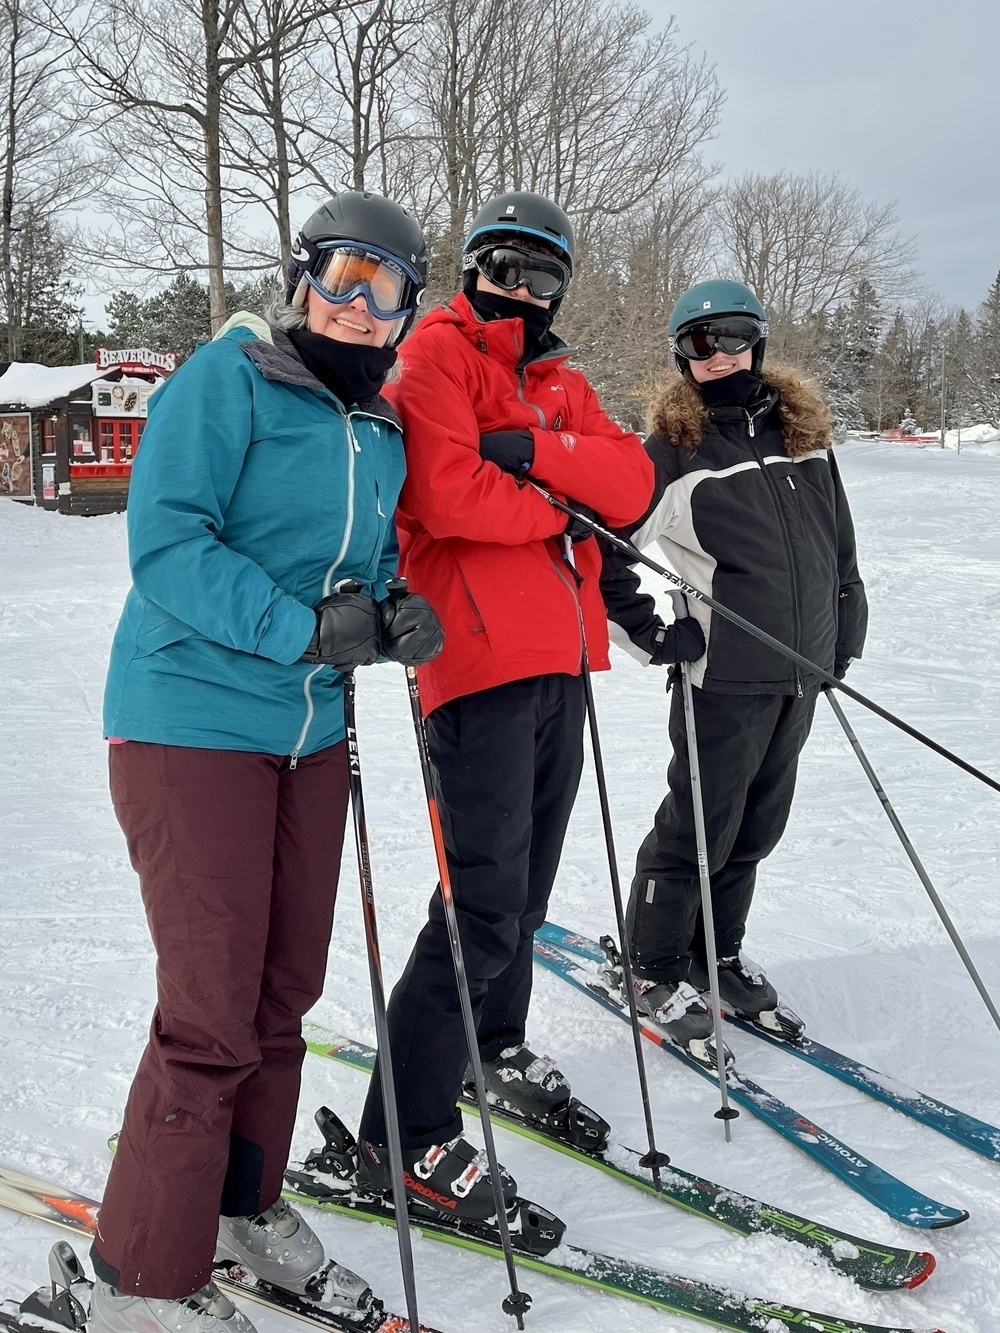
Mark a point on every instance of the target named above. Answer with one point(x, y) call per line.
point(29, 385)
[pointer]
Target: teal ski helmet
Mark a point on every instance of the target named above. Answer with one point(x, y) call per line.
point(718, 296)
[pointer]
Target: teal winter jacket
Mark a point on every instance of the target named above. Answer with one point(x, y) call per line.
point(254, 492)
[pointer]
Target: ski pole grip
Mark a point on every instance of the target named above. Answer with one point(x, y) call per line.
point(396, 588)
point(679, 603)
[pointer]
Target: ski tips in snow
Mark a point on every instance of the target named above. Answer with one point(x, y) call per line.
point(893, 1196)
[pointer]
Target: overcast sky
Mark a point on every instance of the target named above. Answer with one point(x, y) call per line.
point(901, 97)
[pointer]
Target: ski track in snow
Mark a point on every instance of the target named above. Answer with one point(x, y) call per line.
point(841, 922)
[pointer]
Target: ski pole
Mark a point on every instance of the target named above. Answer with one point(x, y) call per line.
point(653, 1159)
point(386, 1079)
point(725, 1113)
point(517, 1302)
point(640, 557)
point(915, 861)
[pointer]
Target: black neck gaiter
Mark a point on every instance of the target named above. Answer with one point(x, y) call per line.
point(735, 390)
point(352, 371)
point(535, 318)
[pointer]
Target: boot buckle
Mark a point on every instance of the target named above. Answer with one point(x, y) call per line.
point(427, 1164)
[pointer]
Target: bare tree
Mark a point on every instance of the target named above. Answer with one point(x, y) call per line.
point(45, 167)
point(595, 112)
point(803, 243)
point(161, 72)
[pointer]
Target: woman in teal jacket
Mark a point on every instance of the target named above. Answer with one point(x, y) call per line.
point(267, 478)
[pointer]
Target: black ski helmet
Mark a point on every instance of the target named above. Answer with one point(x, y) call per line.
point(370, 220)
point(717, 296)
point(518, 213)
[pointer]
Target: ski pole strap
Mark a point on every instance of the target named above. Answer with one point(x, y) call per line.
point(638, 557)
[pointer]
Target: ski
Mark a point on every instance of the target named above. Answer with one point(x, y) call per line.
point(719, 1306)
point(871, 1265)
point(894, 1197)
point(26, 1194)
point(963, 1128)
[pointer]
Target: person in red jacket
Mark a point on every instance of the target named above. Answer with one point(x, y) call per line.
point(487, 398)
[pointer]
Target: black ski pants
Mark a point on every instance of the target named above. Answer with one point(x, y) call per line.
point(509, 762)
point(748, 746)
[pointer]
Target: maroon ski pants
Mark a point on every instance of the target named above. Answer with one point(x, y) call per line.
point(237, 856)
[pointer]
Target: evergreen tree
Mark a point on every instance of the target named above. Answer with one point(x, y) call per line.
point(178, 318)
point(984, 370)
point(47, 314)
point(851, 344)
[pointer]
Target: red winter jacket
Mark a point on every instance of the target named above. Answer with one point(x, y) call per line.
point(485, 551)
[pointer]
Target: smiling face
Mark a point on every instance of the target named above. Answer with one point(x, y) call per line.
point(349, 322)
point(720, 365)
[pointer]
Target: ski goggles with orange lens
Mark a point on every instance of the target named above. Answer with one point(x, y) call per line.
point(731, 334)
point(343, 272)
point(509, 267)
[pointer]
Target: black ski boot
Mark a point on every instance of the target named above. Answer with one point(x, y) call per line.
point(449, 1180)
point(674, 1006)
point(530, 1088)
point(448, 1185)
point(746, 992)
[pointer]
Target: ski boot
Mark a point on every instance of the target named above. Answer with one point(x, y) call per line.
point(746, 992)
point(281, 1249)
point(204, 1311)
point(446, 1184)
point(674, 1006)
point(677, 1009)
point(531, 1088)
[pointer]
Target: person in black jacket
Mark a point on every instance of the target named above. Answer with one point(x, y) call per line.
point(748, 507)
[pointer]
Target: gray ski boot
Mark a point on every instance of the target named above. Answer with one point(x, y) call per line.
point(746, 992)
point(206, 1311)
point(281, 1248)
point(677, 1008)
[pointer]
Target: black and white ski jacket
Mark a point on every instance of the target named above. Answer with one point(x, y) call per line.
point(748, 507)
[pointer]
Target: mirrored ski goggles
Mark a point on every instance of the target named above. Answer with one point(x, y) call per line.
point(731, 334)
point(343, 272)
point(509, 267)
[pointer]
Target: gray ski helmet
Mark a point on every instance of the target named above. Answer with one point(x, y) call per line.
point(518, 213)
point(370, 220)
point(717, 296)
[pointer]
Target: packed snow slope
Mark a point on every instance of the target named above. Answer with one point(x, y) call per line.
point(841, 923)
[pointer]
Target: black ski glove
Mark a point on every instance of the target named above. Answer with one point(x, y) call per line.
point(577, 531)
point(683, 641)
point(411, 631)
point(347, 630)
point(511, 450)
point(840, 665)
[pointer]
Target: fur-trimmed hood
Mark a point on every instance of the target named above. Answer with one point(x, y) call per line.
point(679, 415)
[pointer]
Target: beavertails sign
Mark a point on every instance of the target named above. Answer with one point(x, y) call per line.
point(136, 360)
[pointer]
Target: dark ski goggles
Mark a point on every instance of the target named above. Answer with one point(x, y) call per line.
point(509, 267)
point(731, 334)
point(343, 272)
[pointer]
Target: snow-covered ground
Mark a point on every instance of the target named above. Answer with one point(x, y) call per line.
point(841, 922)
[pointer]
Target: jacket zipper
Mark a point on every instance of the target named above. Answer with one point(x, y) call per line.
point(352, 448)
point(574, 585)
point(752, 420)
point(521, 381)
point(788, 549)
